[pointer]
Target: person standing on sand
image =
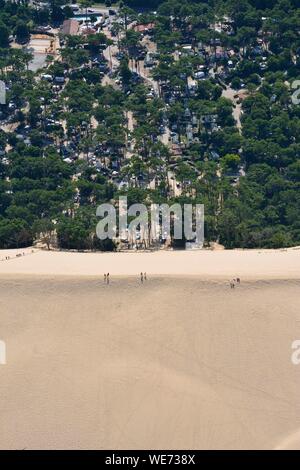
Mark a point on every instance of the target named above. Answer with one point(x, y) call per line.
point(142, 278)
point(145, 276)
point(107, 278)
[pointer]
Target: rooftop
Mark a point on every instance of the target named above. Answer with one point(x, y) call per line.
point(142, 28)
point(70, 27)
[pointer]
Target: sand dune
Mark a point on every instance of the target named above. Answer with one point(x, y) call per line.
point(292, 442)
point(174, 363)
point(284, 264)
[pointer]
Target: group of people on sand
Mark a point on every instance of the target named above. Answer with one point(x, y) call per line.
point(143, 277)
point(18, 255)
point(234, 282)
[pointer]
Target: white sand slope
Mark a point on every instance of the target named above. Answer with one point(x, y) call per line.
point(250, 263)
point(292, 442)
point(175, 363)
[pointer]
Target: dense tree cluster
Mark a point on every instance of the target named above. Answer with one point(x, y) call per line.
point(95, 129)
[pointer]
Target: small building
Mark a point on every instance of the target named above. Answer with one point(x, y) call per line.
point(176, 150)
point(70, 27)
point(144, 28)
